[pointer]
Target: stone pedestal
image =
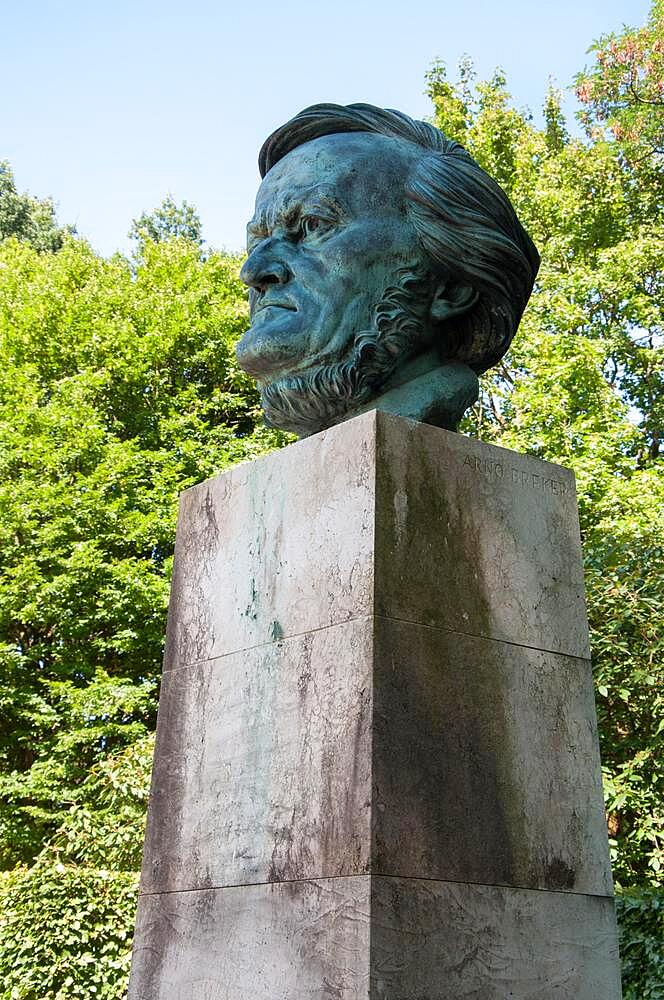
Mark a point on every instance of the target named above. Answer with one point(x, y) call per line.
point(377, 772)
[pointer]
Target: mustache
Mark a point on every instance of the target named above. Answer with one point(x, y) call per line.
point(262, 300)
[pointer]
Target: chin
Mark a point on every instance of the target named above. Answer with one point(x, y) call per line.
point(320, 395)
point(268, 350)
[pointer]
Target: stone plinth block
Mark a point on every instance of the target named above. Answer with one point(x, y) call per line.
point(377, 772)
point(377, 937)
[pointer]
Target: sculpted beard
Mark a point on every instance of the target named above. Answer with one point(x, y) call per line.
point(307, 402)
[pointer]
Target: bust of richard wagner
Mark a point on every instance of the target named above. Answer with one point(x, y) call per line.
point(386, 269)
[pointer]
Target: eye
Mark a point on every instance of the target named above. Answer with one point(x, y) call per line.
point(314, 225)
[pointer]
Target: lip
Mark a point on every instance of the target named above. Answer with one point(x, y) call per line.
point(274, 305)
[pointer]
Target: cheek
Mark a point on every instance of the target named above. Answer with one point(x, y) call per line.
point(348, 275)
point(372, 254)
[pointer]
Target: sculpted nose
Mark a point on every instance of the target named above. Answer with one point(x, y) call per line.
point(264, 267)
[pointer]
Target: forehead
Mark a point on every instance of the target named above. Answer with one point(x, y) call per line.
point(364, 172)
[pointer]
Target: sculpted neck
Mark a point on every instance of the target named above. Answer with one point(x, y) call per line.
point(419, 365)
point(427, 390)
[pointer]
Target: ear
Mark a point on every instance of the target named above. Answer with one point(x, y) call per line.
point(452, 300)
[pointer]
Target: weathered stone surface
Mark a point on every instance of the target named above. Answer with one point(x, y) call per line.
point(374, 938)
point(389, 747)
point(285, 941)
point(485, 763)
point(424, 529)
point(376, 771)
point(263, 768)
point(451, 941)
point(275, 547)
point(477, 539)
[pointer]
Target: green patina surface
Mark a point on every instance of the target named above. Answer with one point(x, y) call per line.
point(386, 269)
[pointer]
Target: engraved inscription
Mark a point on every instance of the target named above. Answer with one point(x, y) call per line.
point(529, 480)
point(535, 481)
point(204, 989)
point(493, 470)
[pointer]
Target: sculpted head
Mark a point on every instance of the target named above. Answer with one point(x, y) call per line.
point(385, 267)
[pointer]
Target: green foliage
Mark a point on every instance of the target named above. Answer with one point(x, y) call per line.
point(583, 385)
point(641, 924)
point(67, 921)
point(625, 591)
point(104, 826)
point(623, 92)
point(28, 218)
point(167, 221)
point(118, 389)
point(65, 932)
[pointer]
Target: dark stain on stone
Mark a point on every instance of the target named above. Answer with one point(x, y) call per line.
point(195, 549)
point(344, 795)
point(276, 631)
point(304, 671)
point(442, 764)
point(559, 875)
point(251, 610)
point(164, 826)
point(285, 866)
point(211, 529)
point(441, 804)
point(441, 525)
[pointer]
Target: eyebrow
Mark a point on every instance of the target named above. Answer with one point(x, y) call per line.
point(288, 211)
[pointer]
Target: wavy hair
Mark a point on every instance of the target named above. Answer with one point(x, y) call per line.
point(464, 220)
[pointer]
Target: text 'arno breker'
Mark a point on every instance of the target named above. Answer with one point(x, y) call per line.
point(518, 476)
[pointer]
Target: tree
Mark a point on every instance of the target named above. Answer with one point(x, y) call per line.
point(27, 218)
point(167, 221)
point(623, 93)
point(582, 386)
point(118, 389)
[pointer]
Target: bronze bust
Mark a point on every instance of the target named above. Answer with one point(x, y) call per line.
point(386, 269)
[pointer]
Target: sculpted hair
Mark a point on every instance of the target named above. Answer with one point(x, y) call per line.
point(464, 220)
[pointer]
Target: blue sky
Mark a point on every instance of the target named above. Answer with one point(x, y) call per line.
point(108, 105)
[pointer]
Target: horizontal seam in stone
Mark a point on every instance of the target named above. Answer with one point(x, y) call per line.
point(412, 878)
point(269, 642)
point(373, 617)
point(487, 638)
